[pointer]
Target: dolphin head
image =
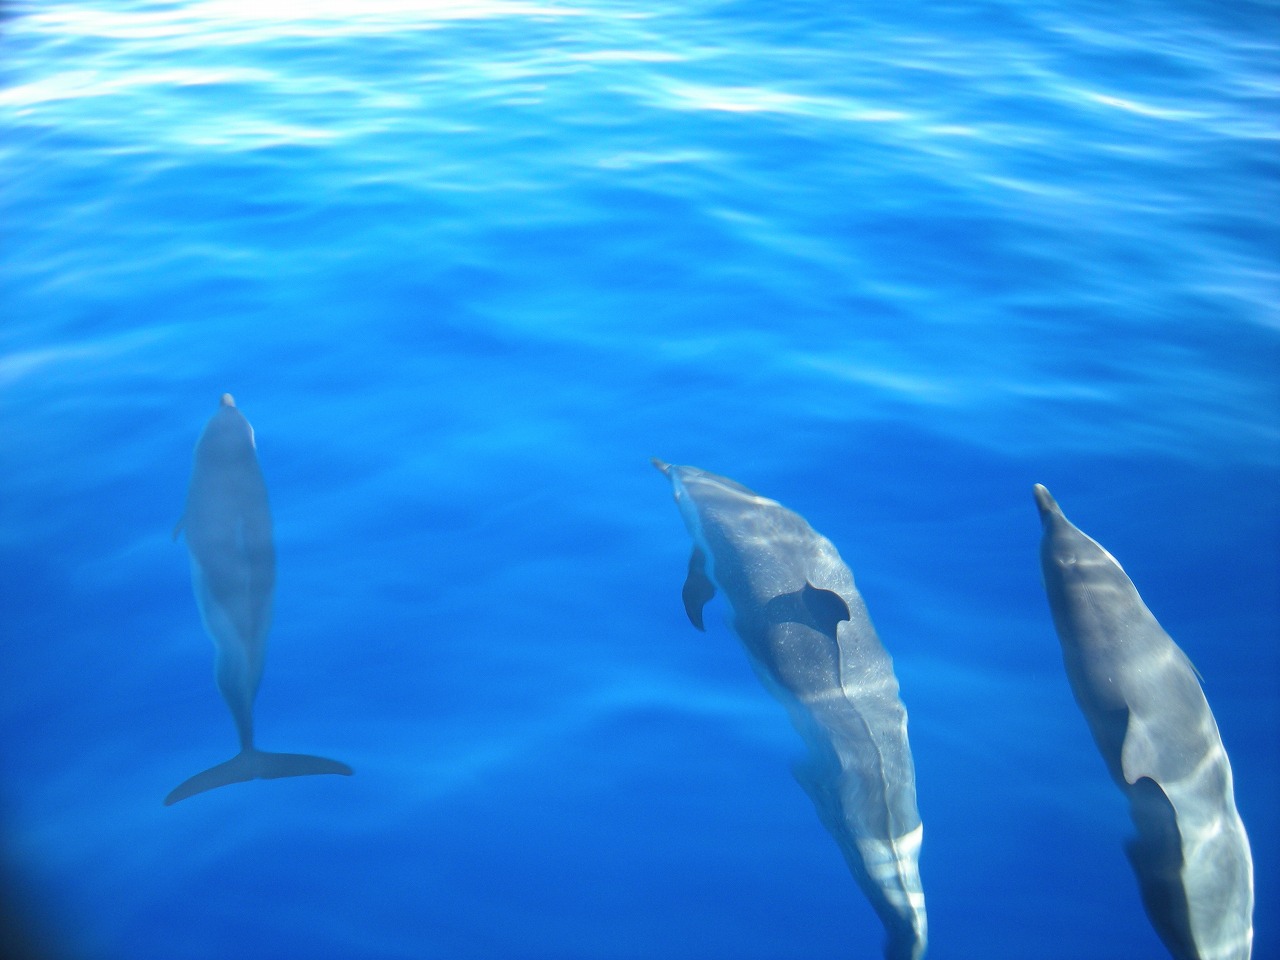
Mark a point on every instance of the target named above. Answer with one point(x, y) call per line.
point(227, 434)
point(685, 501)
point(676, 475)
point(1050, 512)
point(1067, 551)
point(1062, 540)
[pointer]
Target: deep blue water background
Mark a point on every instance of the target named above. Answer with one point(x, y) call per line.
point(465, 266)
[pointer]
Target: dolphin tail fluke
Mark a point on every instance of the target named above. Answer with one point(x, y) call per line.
point(272, 766)
point(236, 770)
point(254, 765)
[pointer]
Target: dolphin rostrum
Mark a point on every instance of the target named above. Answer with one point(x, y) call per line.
point(233, 571)
point(1152, 724)
point(808, 636)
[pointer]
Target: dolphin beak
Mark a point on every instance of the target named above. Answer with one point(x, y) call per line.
point(228, 400)
point(1049, 509)
point(661, 465)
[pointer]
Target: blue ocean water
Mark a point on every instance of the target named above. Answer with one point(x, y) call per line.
point(466, 265)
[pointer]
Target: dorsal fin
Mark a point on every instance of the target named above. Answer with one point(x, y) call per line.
point(826, 607)
point(818, 609)
point(698, 588)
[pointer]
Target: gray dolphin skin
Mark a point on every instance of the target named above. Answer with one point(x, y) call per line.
point(233, 571)
point(808, 636)
point(1153, 726)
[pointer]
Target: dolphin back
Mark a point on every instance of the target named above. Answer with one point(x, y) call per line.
point(227, 524)
point(1158, 737)
point(254, 764)
point(808, 636)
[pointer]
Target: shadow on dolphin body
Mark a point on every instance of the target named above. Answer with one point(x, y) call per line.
point(809, 638)
point(1153, 727)
point(227, 523)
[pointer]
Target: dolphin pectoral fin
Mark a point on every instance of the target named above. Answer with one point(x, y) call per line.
point(1156, 857)
point(254, 765)
point(1194, 669)
point(1157, 850)
point(177, 527)
point(826, 608)
point(698, 588)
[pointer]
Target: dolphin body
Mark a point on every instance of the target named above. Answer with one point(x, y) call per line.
point(811, 642)
point(233, 571)
point(1153, 726)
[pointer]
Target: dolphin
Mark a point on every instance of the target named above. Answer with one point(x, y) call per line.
point(1153, 727)
point(809, 638)
point(233, 571)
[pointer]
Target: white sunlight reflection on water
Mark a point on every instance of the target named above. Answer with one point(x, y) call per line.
point(238, 21)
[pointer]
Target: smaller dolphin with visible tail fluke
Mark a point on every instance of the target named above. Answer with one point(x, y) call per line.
point(227, 523)
point(808, 636)
point(1154, 729)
